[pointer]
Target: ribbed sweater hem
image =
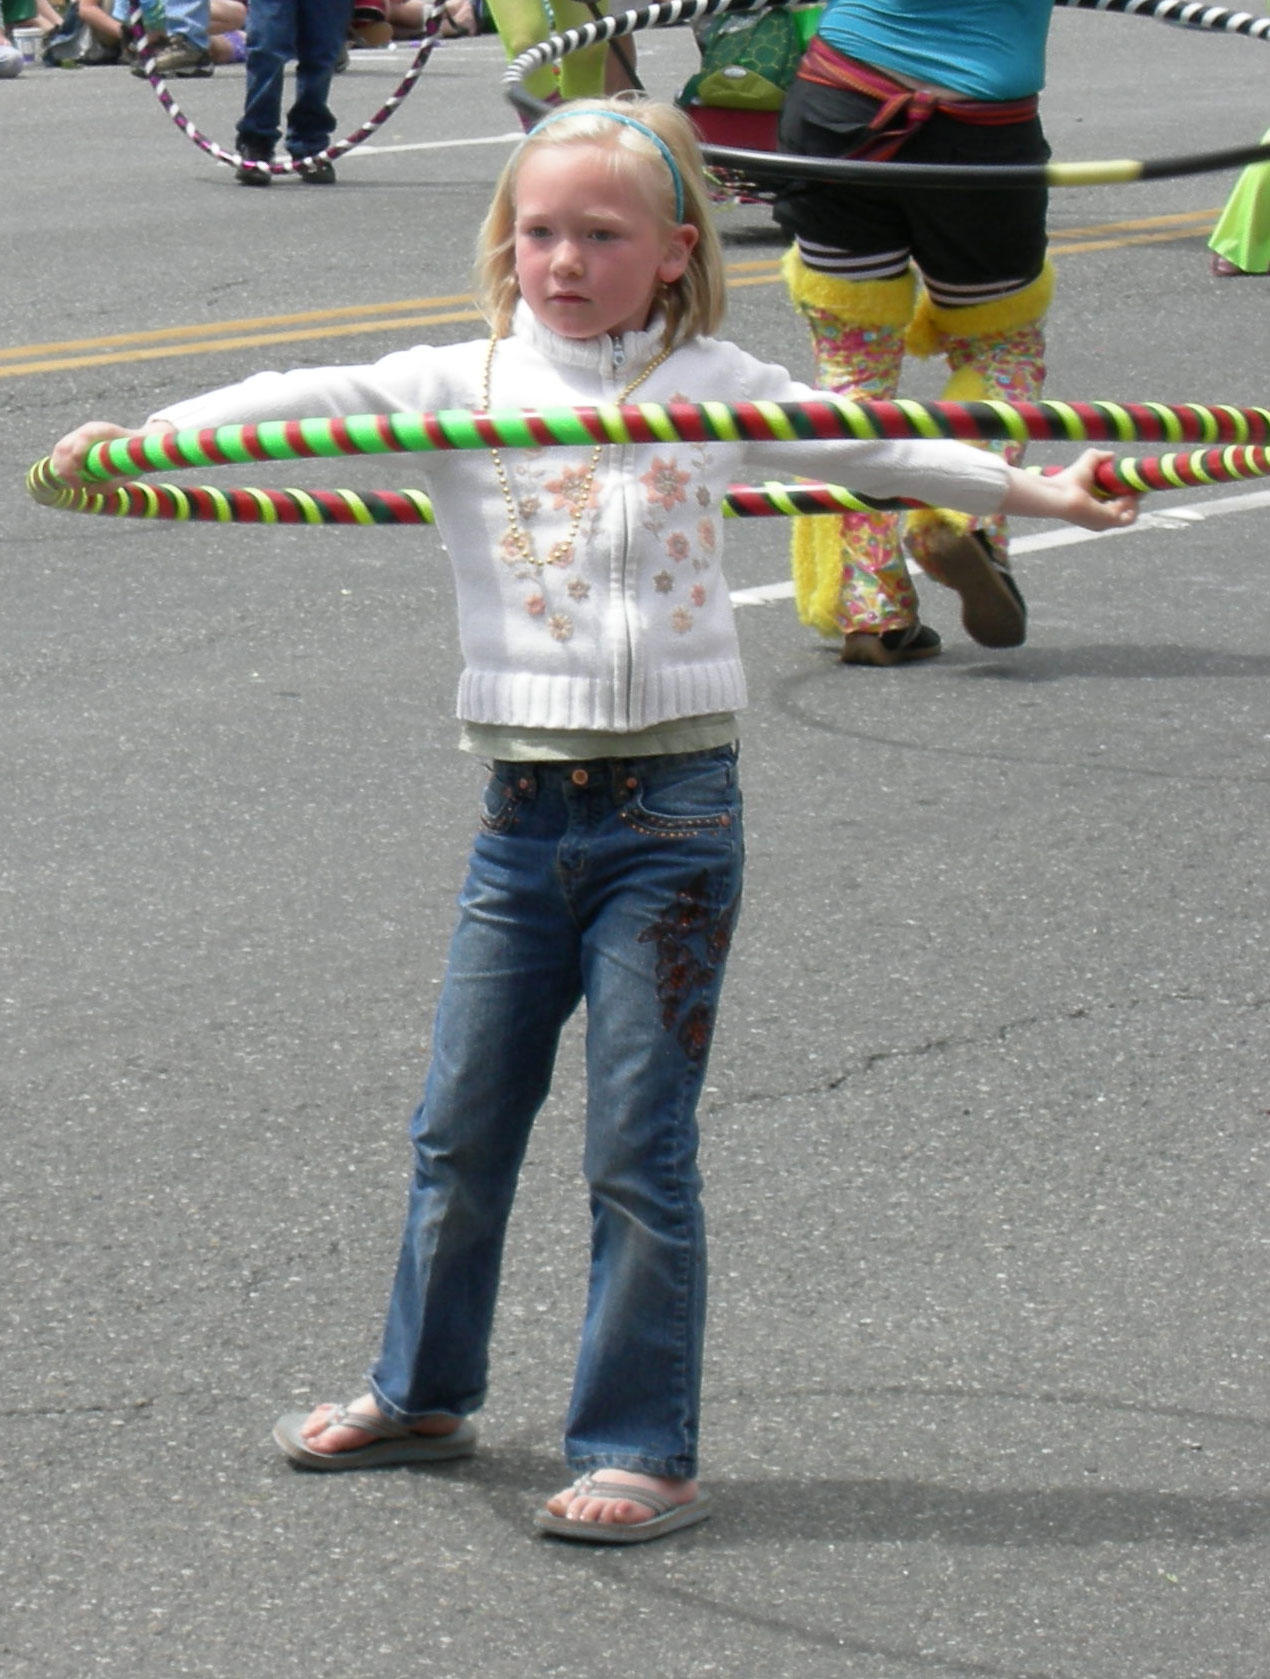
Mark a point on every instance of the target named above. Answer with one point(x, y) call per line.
point(539, 701)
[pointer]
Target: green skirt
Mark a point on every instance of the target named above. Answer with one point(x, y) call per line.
point(1242, 234)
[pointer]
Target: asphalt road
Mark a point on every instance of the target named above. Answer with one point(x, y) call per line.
point(987, 1120)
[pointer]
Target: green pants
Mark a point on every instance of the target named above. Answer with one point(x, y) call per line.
point(522, 24)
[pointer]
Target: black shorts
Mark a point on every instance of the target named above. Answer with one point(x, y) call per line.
point(962, 236)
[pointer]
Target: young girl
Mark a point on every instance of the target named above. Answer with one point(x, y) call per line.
point(601, 680)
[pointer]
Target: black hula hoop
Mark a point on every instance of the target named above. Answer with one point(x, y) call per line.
point(778, 166)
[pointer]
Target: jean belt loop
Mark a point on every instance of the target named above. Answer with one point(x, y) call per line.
point(625, 780)
point(521, 778)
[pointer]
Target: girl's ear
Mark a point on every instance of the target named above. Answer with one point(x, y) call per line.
point(679, 248)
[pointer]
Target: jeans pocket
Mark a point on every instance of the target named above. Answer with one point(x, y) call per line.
point(500, 805)
point(676, 800)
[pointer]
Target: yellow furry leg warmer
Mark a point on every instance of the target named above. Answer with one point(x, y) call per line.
point(847, 570)
point(854, 302)
point(994, 350)
point(934, 325)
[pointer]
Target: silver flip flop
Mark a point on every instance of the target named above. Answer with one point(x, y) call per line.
point(394, 1442)
point(667, 1517)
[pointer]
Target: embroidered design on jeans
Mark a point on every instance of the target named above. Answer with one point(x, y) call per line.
point(689, 923)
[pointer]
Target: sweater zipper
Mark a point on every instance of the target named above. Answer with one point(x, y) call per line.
point(626, 672)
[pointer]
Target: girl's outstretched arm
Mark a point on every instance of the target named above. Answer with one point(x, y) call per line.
point(1069, 495)
point(70, 452)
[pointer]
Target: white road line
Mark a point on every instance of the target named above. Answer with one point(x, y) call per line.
point(1068, 536)
point(434, 145)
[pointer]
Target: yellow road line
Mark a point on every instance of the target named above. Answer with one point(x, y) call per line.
point(1178, 218)
point(213, 346)
point(308, 316)
point(1060, 250)
point(351, 320)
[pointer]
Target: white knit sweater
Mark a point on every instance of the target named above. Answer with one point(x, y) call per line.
point(636, 628)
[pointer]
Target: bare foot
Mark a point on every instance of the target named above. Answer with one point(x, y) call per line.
point(340, 1437)
point(579, 1507)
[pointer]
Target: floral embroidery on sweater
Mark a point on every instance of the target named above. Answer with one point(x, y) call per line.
point(665, 483)
point(673, 504)
point(574, 489)
point(568, 490)
point(673, 488)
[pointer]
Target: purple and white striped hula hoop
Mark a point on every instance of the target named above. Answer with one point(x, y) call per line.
point(135, 27)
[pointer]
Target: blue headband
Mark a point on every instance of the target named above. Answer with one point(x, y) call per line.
point(640, 128)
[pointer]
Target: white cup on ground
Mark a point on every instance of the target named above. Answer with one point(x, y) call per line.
point(27, 41)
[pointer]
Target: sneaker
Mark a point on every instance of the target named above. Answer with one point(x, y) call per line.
point(245, 175)
point(64, 49)
point(318, 172)
point(151, 47)
point(891, 647)
point(10, 62)
point(183, 58)
point(993, 612)
point(177, 57)
point(101, 52)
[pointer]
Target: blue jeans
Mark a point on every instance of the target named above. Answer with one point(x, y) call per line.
point(618, 883)
point(312, 32)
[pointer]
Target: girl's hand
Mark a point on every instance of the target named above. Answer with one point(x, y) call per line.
point(70, 452)
point(1070, 495)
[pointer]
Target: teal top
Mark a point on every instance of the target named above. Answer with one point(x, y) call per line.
point(987, 49)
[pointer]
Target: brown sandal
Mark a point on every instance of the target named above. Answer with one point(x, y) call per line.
point(458, 18)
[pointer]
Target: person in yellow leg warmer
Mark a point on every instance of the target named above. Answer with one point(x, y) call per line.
point(881, 271)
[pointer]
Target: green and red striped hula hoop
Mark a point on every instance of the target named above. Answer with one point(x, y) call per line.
point(825, 417)
point(204, 502)
point(1229, 445)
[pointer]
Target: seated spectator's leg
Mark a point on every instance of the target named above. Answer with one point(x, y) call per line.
point(105, 25)
point(406, 18)
point(152, 15)
point(188, 19)
point(227, 42)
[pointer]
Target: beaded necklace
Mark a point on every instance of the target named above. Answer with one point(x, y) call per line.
point(516, 538)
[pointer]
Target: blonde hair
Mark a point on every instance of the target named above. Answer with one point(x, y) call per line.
point(691, 305)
